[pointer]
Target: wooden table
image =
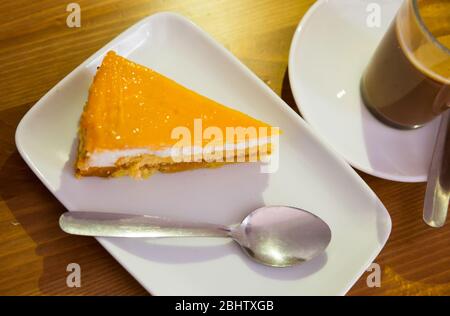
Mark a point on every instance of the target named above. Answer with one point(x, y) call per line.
point(37, 49)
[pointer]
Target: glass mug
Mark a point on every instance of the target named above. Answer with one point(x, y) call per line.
point(407, 82)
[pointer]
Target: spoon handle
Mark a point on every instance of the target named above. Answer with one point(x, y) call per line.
point(125, 225)
point(437, 195)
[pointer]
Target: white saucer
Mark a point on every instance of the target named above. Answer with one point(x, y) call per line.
point(330, 49)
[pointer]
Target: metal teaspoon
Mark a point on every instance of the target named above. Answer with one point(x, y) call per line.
point(277, 236)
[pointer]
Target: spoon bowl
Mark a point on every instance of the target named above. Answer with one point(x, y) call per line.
point(281, 236)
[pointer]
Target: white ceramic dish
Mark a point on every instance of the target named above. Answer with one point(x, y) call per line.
point(310, 176)
point(330, 49)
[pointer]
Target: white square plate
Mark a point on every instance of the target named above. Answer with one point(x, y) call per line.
point(310, 176)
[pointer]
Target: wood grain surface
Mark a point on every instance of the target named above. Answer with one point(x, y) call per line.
point(37, 50)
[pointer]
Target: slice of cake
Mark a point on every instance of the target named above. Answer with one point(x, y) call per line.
point(137, 121)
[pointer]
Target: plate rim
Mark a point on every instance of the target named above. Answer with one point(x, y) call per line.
point(283, 107)
point(295, 43)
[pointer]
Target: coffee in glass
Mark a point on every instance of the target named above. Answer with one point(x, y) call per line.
point(407, 82)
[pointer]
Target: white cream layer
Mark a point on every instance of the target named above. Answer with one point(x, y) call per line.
point(108, 158)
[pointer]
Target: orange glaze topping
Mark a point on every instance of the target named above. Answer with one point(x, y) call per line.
point(131, 106)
